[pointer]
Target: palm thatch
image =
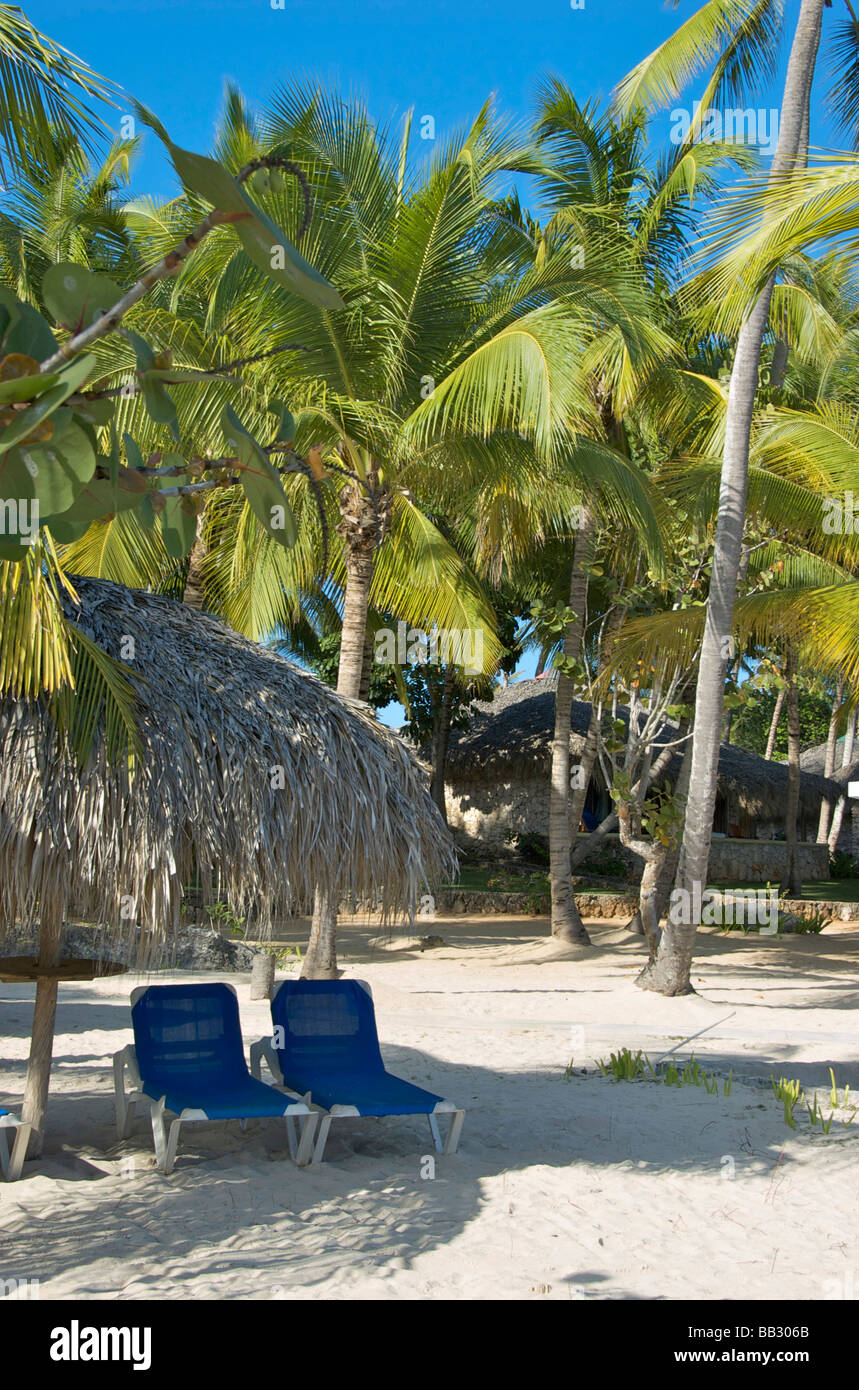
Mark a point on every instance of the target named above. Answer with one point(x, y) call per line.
point(511, 737)
point(255, 780)
point(814, 760)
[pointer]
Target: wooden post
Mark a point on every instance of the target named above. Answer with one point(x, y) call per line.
point(44, 1015)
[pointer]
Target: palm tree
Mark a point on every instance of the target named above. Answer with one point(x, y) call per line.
point(668, 71)
point(447, 348)
point(44, 91)
point(608, 203)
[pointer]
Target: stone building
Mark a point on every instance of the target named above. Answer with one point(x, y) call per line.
point(497, 788)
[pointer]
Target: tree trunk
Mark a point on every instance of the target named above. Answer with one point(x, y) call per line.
point(791, 884)
point(320, 958)
point(441, 742)
point(846, 760)
point(362, 528)
point(262, 975)
point(829, 762)
point(44, 1016)
point(774, 723)
point(667, 870)
point(672, 969)
point(194, 584)
point(566, 921)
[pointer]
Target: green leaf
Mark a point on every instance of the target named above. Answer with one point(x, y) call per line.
point(26, 421)
point(75, 296)
point(99, 498)
point(63, 465)
point(160, 406)
point(261, 484)
point(143, 353)
point(178, 527)
point(96, 412)
point(26, 388)
point(30, 334)
point(286, 427)
point(132, 452)
point(265, 243)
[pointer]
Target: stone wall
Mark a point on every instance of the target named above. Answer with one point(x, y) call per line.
point(485, 819)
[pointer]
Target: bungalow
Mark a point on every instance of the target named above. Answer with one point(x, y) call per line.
point(497, 779)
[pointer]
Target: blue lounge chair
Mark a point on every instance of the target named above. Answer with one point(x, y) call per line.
point(326, 1048)
point(12, 1154)
point(188, 1060)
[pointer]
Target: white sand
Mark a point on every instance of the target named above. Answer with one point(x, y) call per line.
point(579, 1188)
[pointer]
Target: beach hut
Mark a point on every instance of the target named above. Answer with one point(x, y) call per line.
point(253, 779)
point(498, 770)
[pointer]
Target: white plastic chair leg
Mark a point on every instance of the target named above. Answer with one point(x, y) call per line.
point(166, 1141)
point(13, 1150)
point(322, 1139)
point(456, 1122)
point(436, 1137)
point(307, 1134)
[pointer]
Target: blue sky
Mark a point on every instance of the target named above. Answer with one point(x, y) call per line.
point(441, 57)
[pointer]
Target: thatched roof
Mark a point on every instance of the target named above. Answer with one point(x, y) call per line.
point(255, 777)
point(511, 736)
point(814, 760)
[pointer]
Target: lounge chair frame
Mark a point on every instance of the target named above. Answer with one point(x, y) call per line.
point(300, 1119)
point(264, 1051)
point(13, 1149)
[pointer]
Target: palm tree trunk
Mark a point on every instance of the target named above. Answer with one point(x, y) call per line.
point(774, 723)
point(566, 921)
point(791, 884)
point(441, 742)
point(829, 761)
point(672, 969)
point(193, 593)
point(360, 531)
point(846, 760)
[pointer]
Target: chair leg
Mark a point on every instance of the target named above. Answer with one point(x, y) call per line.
point(13, 1151)
point(456, 1123)
point(307, 1132)
point(319, 1150)
point(291, 1136)
point(436, 1137)
point(166, 1142)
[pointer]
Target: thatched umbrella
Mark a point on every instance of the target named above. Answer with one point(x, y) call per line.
point(254, 776)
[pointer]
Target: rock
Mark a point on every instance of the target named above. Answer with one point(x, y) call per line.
point(192, 948)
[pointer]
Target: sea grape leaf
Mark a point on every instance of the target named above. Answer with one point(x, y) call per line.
point(75, 296)
point(160, 405)
point(262, 486)
point(70, 380)
point(25, 388)
point(30, 334)
point(178, 528)
point(99, 498)
point(266, 245)
point(143, 353)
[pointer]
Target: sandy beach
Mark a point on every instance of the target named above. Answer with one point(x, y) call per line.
point(565, 1187)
